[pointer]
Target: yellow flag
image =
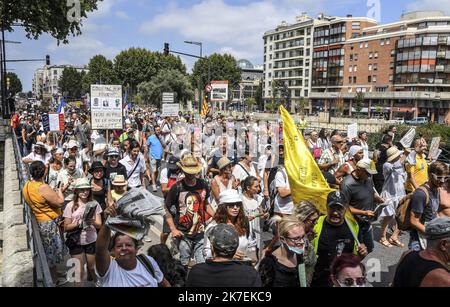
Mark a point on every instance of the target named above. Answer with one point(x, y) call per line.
point(305, 178)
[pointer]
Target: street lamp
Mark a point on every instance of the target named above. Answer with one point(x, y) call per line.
point(198, 44)
point(200, 96)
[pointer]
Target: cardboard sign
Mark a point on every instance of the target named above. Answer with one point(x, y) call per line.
point(434, 148)
point(170, 109)
point(407, 140)
point(46, 122)
point(106, 107)
point(219, 92)
point(352, 131)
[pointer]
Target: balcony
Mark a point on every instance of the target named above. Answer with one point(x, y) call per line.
point(441, 55)
point(440, 68)
point(442, 40)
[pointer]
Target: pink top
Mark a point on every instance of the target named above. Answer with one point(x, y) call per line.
point(89, 234)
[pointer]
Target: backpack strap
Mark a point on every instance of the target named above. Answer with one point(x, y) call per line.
point(427, 195)
point(147, 264)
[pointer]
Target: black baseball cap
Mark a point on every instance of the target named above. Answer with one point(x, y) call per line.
point(335, 198)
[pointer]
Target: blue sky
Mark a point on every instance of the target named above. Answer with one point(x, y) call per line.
point(233, 26)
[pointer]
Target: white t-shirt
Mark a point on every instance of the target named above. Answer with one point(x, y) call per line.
point(240, 174)
point(139, 277)
point(34, 157)
point(283, 205)
point(134, 179)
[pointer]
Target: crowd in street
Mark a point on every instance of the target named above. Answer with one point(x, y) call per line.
point(224, 185)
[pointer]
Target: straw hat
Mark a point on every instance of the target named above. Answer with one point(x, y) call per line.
point(190, 165)
point(119, 180)
point(393, 153)
point(223, 162)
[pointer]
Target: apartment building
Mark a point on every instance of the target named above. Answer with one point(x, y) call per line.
point(288, 59)
point(402, 68)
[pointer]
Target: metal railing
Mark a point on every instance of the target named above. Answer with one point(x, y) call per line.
point(41, 271)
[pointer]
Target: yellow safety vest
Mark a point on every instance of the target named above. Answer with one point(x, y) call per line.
point(318, 229)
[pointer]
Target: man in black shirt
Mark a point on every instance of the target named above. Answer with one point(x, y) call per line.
point(222, 271)
point(113, 167)
point(336, 235)
point(187, 222)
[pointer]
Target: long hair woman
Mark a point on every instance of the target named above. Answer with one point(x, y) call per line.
point(173, 270)
point(82, 219)
point(231, 211)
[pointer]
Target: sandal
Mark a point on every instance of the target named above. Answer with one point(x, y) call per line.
point(396, 242)
point(385, 242)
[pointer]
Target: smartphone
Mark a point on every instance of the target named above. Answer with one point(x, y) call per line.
point(59, 185)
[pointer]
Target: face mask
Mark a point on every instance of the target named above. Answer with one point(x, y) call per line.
point(296, 250)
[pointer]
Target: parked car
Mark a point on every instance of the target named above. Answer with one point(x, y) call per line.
point(417, 121)
point(399, 120)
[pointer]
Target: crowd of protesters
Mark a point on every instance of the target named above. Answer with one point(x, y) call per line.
point(224, 183)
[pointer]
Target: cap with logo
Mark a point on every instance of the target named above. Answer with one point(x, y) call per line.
point(438, 228)
point(224, 239)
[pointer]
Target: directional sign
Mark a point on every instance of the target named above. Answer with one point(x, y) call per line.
point(208, 88)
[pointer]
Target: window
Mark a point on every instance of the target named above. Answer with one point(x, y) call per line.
point(374, 79)
point(391, 65)
point(375, 66)
point(391, 78)
point(271, 47)
point(381, 42)
point(369, 79)
point(270, 66)
point(360, 45)
point(354, 79)
point(350, 68)
point(375, 55)
point(388, 41)
point(270, 75)
point(270, 57)
point(356, 57)
point(370, 55)
point(370, 67)
point(351, 57)
point(355, 68)
point(350, 80)
point(366, 44)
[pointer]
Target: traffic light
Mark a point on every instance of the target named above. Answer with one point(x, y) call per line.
point(8, 83)
point(47, 60)
point(166, 49)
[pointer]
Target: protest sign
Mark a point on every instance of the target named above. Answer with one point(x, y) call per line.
point(352, 131)
point(170, 109)
point(434, 147)
point(46, 122)
point(106, 107)
point(219, 91)
point(407, 140)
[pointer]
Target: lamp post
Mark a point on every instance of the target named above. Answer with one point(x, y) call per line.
point(200, 96)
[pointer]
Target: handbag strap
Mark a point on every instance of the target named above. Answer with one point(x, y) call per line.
point(134, 169)
point(147, 264)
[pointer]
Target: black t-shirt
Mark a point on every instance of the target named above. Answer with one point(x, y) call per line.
point(275, 274)
point(18, 130)
point(333, 241)
point(223, 274)
point(428, 211)
point(190, 206)
point(111, 172)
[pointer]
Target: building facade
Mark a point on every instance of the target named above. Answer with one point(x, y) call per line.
point(402, 70)
point(288, 60)
point(251, 79)
point(46, 79)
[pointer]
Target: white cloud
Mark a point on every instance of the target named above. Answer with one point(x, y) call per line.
point(237, 29)
point(122, 15)
point(441, 5)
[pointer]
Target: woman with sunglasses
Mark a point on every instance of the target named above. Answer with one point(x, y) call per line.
point(76, 218)
point(231, 211)
point(347, 270)
point(280, 268)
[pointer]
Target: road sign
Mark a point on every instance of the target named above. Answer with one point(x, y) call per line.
point(168, 98)
point(208, 88)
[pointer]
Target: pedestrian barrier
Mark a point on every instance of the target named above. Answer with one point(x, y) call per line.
point(41, 271)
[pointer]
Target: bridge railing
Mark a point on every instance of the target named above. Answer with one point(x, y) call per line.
point(42, 276)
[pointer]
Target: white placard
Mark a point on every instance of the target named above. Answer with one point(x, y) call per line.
point(54, 122)
point(106, 107)
point(352, 131)
point(219, 92)
point(168, 98)
point(407, 140)
point(434, 147)
point(170, 109)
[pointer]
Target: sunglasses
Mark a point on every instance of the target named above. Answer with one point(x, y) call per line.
point(235, 205)
point(442, 179)
point(348, 282)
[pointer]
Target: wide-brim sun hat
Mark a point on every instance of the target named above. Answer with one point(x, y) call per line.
point(190, 165)
point(82, 183)
point(119, 180)
point(96, 165)
point(230, 196)
point(223, 162)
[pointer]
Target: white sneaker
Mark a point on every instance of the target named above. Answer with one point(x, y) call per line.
point(147, 239)
point(155, 189)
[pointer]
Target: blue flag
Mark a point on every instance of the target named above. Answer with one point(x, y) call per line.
point(61, 106)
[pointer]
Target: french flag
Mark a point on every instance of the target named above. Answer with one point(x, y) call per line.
point(61, 106)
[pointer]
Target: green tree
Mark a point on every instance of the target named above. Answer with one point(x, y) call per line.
point(15, 85)
point(70, 83)
point(46, 16)
point(250, 103)
point(170, 80)
point(136, 65)
point(223, 67)
point(281, 94)
point(339, 106)
point(359, 102)
point(101, 71)
point(259, 96)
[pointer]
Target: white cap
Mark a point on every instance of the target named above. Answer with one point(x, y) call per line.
point(367, 165)
point(354, 150)
point(230, 197)
point(72, 144)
